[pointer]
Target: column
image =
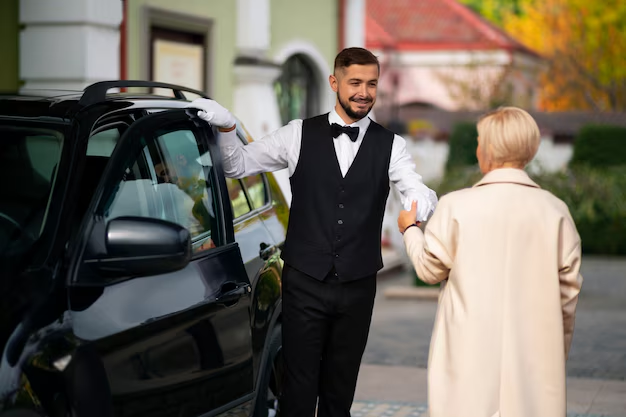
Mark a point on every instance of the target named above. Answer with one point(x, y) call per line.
point(354, 23)
point(69, 44)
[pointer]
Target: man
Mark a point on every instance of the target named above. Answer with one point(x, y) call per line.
point(340, 166)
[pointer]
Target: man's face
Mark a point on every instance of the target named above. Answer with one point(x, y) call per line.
point(356, 88)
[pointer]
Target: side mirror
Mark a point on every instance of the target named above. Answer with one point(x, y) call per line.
point(139, 246)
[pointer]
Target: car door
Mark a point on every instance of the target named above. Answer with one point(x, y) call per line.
point(178, 343)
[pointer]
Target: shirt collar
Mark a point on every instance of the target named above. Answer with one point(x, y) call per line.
point(362, 124)
point(507, 175)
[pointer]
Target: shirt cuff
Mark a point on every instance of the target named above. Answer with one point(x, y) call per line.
point(229, 139)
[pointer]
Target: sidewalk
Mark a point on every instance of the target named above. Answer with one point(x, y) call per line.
point(396, 391)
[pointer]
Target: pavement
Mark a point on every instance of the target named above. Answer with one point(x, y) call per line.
point(401, 391)
point(392, 381)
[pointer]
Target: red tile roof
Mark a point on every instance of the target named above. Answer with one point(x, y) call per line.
point(376, 35)
point(433, 25)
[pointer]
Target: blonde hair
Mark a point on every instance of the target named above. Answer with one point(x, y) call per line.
point(509, 135)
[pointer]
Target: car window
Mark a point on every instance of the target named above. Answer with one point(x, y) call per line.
point(255, 185)
point(107, 133)
point(30, 157)
point(103, 143)
point(237, 197)
point(171, 179)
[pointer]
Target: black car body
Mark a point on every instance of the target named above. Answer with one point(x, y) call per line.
point(136, 280)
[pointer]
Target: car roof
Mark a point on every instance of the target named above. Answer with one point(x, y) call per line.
point(61, 104)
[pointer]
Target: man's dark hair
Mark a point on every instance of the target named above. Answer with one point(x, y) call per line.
point(355, 56)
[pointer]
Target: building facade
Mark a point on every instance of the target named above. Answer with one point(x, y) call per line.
point(266, 60)
point(439, 53)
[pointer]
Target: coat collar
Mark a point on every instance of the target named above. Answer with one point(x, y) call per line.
point(507, 175)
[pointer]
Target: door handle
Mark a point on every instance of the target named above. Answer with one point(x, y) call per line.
point(266, 251)
point(231, 297)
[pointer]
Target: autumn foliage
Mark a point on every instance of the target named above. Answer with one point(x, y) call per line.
point(584, 43)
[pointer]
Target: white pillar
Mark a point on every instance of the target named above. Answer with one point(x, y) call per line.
point(354, 29)
point(69, 44)
point(255, 102)
point(253, 27)
point(354, 23)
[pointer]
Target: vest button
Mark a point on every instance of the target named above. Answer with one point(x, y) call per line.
point(340, 205)
point(340, 221)
point(336, 255)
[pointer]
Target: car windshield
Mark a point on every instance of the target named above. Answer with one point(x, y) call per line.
point(29, 156)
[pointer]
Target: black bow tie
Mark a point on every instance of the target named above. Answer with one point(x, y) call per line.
point(352, 132)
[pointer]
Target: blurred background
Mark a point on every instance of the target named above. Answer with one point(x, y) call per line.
point(443, 63)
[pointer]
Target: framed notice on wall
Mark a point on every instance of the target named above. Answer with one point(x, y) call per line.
point(178, 58)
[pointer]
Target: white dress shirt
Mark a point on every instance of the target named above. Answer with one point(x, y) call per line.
point(281, 149)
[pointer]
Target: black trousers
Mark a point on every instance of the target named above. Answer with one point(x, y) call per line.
point(325, 329)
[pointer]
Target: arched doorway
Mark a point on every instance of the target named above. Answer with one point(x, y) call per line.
point(297, 90)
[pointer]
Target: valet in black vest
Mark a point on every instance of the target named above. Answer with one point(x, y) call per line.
point(339, 184)
point(335, 221)
point(332, 253)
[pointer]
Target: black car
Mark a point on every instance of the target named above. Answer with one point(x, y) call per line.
point(135, 279)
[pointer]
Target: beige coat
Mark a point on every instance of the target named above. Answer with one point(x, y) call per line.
point(511, 255)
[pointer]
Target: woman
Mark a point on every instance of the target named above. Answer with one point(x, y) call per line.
point(511, 255)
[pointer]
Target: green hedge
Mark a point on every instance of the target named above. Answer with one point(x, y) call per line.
point(600, 146)
point(462, 144)
point(596, 199)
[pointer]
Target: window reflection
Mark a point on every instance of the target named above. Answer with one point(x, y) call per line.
point(237, 198)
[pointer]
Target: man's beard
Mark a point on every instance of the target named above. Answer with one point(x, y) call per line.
point(355, 115)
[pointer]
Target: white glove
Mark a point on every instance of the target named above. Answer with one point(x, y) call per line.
point(425, 206)
point(212, 112)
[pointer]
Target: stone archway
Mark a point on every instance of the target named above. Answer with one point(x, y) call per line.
point(305, 69)
point(297, 89)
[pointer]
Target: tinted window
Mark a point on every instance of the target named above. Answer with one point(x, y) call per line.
point(103, 143)
point(256, 191)
point(29, 157)
point(171, 179)
point(237, 198)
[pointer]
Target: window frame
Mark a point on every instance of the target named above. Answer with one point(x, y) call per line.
point(244, 137)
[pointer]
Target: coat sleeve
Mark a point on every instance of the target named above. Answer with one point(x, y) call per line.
point(570, 279)
point(432, 252)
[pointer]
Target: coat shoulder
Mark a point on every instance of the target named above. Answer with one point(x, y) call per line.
point(558, 204)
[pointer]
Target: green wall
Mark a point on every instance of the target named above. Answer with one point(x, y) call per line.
point(315, 22)
point(222, 13)
point(9, 43)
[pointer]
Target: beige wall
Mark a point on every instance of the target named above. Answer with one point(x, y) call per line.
point(461, 80)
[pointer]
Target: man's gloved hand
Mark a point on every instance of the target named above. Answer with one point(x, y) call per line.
point(212, 112)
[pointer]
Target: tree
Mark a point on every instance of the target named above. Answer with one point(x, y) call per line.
point(583, 41)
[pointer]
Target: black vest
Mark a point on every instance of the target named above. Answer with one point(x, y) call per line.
point(337, 221)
